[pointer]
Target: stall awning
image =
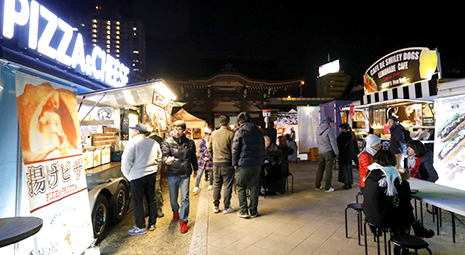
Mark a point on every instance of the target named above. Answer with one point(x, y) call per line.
point(420, 90)
point(128, 96)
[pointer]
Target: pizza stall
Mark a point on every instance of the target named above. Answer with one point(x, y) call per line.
point(42, 168)
point(401, 84)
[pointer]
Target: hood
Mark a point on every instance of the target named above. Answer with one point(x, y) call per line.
point(323, 128)
point(249, 126)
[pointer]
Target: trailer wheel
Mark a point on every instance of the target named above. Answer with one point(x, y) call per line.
point(120, 203)
point(99, 217)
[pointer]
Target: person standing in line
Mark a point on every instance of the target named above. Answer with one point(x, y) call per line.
point(397, 143)
point(248, 153)
point(223, 173)
point(348, 147)
point(365, 158)
point(179, 156)
point(205, 162)
point(139, 164)
point(293, 145)
point(158, 192)
point(327, 153)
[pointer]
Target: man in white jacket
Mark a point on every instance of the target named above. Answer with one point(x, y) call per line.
point(139, 164)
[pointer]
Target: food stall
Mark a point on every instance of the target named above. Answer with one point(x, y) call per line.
point(403, 84)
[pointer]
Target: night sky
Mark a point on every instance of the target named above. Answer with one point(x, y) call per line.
point(281, 39)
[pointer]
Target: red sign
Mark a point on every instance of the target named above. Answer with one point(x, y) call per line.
point(352, 112)
point(163, 102)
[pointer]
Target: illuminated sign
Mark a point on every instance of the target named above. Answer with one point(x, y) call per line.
point(331, 67)
point(402, 67)
point(51, 36)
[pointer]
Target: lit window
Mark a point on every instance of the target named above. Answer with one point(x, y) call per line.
point(94, 44)
point(94, 21)
point(136, 70)
point(108, 37)
point(117, 46)
point(108, 50)
point(108, 46)
point(108, 31)
point(135, 33)
point(117, 27)
point(134, 28)
point(133, 64)
point(108, 41)
point(94, 25)
point(108, 22)
point(117, 42)
point(117, 22)
point(94, 35)
point(117, 37)
point(94, 30)
point(83, 25)
point(117, 32)
point(117, 51)
point(117, 55)
point(135, 52)
point(108, 27)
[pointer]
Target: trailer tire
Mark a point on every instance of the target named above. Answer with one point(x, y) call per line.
point(100, 217)
point(119, 203)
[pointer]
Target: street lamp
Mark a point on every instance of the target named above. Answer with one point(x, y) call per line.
point(301, 84)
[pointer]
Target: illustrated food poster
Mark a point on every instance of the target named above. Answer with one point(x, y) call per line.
point(52, 154)
point(287, 124)
point(309, 120)
point(449, 145)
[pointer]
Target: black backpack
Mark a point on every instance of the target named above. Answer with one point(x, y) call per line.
point(407, 136)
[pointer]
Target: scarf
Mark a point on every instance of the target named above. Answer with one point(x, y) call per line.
point(390, 175)
point(413, 163)
point(368, 150)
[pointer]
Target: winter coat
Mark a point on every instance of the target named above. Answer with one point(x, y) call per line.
point(206, 165)
point(326, 140)
point(427, 171)
point(141, 157)
point(293, 145)
point(248, 147)
point(183, 151)
point(379, 208)
point(347, 147)
point(365, 159)
point(397, 144)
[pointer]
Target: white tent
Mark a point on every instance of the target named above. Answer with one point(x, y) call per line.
point(190, 120)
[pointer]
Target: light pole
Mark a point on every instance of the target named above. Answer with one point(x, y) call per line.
point(301, 84)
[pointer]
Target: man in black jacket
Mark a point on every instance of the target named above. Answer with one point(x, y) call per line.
point(179, 156)
point(397, 143)
point(248, 152)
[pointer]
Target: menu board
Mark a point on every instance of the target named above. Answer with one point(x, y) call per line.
point(449, 158)
point(53, 165)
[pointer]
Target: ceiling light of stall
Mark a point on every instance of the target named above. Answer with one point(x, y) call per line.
point(164, 90)
point(128, 97)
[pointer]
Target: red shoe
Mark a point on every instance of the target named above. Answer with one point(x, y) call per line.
point(183, 226)
point(175, 216)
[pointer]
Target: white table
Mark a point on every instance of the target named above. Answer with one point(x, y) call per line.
point(449, 199)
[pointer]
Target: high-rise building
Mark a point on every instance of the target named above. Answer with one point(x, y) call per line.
point(123, 38)
point(332, 85)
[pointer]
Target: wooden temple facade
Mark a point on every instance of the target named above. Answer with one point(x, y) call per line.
point(228, 92)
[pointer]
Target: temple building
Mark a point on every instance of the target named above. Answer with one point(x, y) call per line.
point(228, 92)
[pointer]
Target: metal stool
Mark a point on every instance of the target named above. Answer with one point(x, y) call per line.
point(376, 236)
point(292, 183)
point(358, 207)
point(409, 242)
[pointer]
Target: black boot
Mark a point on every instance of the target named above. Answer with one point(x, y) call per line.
point(421, 231)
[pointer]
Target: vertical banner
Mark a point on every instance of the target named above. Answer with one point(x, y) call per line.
point(52, 154)
point(309, 120)
point(449, 145)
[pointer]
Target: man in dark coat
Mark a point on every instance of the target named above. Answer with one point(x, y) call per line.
point(397, 144)
point(248, 152)
point(179, 156)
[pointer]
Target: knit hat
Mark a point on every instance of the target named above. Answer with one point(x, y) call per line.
point(394, 118)
point(372, 140)
point(327, 120)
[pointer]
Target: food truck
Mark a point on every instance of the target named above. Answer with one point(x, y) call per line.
point(47, 72)
point(403, 84)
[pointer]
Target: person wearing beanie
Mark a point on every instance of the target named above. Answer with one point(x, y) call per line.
point(180, 158)
point(397, 143)
point(223, 173)
point(365, 158)
point(327, 153)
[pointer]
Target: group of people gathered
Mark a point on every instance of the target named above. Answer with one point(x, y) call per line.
point(384, 174)
point(226, 156)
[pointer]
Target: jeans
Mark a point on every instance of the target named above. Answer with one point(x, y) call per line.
point(325, 164)
point(199, 177)
point(248, 176)
point(140, 188)
point(224, 176)
point(176, 183)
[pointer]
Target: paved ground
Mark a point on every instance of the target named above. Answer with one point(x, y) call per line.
point(304, 222)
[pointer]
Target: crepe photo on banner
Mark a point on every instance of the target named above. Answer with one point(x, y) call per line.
point(53, 166)
point(449, 145)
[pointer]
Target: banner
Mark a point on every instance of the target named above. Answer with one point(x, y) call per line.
point(399, 68)
point(52, 154)
point(309, 120)
point(449, 143)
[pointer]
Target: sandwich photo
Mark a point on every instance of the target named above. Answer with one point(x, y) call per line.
point(452, 127)
point(369, 84)
point(452, 147)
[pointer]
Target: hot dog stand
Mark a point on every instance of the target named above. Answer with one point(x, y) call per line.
point(402, 84)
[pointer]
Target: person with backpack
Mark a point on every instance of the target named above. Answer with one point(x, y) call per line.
point(397, 143)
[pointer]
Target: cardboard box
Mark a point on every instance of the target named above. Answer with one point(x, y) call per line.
point(88, 159)
point(97, 157)
point(106, 155)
